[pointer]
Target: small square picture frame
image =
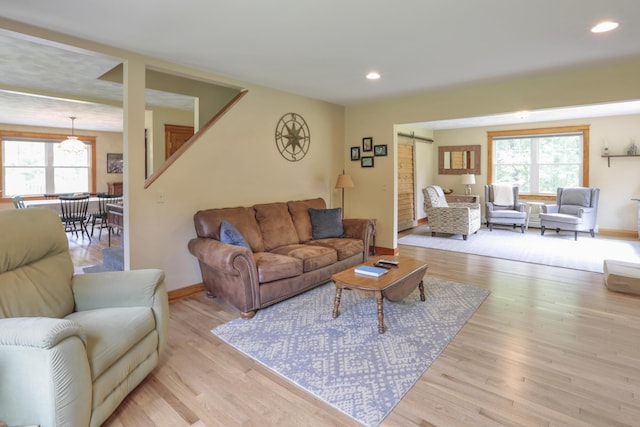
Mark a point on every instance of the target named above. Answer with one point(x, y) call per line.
point(355, 153)
point(366, 161)
point(380, 150)
point(114, 163)
point(367, 144)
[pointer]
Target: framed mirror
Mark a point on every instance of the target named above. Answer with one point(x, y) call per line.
point(459, 159)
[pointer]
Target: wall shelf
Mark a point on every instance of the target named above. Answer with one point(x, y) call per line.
point(609, 156)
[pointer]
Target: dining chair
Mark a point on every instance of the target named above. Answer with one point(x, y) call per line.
point(100, 216)
point(74, 214)
point(18, 202)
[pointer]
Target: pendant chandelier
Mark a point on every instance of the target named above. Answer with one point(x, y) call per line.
point(72, 144)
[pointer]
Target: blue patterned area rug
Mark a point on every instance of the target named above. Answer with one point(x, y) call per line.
point(345, 361)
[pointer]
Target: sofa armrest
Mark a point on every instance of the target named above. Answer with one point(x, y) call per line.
point(463, 205)
point(449, 212)
point(136, 288)
point(228, 271)
point(359, 228)
point(218, 255)
point(46, 378)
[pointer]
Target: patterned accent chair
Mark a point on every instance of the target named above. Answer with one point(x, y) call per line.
point(454, 218)
point(576, 209)
point(504, 210)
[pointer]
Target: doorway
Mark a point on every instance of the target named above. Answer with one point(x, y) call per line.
point(175, 137)
point(406, 187)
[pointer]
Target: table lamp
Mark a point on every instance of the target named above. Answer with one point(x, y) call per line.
point(468, 179)
point(344, 181)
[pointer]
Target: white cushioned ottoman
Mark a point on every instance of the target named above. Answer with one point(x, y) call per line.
point(622, 276)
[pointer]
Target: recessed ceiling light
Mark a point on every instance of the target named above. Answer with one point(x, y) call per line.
point(605, 26)
point(373, 75)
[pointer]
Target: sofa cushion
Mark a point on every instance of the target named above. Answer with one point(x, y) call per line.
point(326, 223)
point(275, 225)
point(112, 332)
point(344, 248)
point(312, 257)
point(230, 235)
point(275, 267)
point(207, 223)
point(299, 210)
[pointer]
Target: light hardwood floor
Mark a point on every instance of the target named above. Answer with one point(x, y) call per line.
point(548, 347)
point(85, 252)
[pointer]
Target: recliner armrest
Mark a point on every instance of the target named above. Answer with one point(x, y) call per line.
point(116, 289)
point(46, 379)
point(37, 332)
point(136, 288)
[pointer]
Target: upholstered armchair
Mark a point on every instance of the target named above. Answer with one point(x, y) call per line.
point(576, 209)
point(454, 218)
point(71, 346)
point(503, 207)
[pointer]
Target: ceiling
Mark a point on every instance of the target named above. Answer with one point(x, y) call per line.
point(316, 49)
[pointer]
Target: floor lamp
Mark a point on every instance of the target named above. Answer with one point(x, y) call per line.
point(344, 181)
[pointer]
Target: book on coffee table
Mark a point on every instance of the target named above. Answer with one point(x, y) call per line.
point(370, 271)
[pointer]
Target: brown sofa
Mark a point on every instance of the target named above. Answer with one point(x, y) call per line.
point(284, 260)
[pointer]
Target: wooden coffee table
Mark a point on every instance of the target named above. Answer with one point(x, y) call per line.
point(396, 285)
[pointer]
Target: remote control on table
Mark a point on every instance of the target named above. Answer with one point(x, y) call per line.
point(388, 261)
point(381, 265)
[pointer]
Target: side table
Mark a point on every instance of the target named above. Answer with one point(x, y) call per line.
point(533, 210)
point(462, 198)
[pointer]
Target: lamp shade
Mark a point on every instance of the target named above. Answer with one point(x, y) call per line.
point(72, 144)
point(344, 181)
point(468, 179)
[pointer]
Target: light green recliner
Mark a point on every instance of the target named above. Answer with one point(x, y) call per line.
point(71, 346)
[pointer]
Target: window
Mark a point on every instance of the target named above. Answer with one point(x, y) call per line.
point(540, 160)
point(33, 164)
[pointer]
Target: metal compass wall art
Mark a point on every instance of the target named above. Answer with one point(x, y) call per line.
point(293, 138)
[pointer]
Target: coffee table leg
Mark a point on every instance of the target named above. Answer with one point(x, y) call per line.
point(380, 312)
point(336, 301)
point(421, 287)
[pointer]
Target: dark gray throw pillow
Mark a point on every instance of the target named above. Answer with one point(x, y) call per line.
point(326, 223)
point(230, 235)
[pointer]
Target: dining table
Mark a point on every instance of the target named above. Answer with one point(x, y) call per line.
point(55, 204)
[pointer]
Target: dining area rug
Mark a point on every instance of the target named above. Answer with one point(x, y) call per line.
point(554, 249)
point(344, 361)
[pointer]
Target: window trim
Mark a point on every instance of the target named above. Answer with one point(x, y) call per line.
point(584, 129)
point(91, 140)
